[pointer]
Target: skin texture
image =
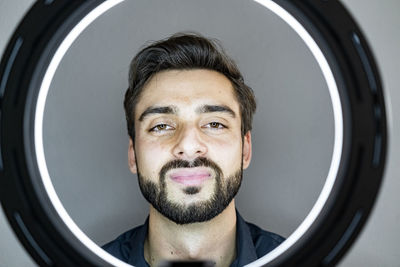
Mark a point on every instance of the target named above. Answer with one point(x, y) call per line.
point(188, 129)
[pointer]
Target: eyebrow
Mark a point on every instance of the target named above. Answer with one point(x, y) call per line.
point(216, 108)
point(157, 110)
point(173, 110)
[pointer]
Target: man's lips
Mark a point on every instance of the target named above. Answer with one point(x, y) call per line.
point(190, 176)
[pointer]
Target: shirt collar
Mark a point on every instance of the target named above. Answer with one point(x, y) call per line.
point(137, 254)
point(245, 250)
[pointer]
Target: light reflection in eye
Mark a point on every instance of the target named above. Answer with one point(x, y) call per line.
point(214, 125)
point(161, 127)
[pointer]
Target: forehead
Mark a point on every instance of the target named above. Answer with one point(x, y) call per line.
point(186, 88)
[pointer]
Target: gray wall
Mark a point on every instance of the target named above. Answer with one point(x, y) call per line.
point(90, 121)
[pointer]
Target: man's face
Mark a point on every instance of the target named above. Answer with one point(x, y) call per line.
point(189, 152)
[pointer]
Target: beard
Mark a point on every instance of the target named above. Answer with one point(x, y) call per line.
point(224, 192)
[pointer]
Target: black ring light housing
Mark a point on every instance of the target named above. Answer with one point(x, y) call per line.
point(51, 242)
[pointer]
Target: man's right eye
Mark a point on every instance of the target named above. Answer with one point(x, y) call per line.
point(161, 127)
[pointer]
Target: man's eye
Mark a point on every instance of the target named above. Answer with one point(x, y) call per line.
point(161, 127)
point(215, 125)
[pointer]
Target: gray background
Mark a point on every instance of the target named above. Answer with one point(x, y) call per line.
point(291, 154)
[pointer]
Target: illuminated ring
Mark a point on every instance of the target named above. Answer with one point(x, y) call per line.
point(50, 235)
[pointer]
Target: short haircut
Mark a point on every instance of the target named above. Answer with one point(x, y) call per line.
point(186, 51)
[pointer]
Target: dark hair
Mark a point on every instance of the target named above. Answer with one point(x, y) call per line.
point(185, 51)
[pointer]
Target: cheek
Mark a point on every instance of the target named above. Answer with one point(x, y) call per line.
point(227, 154)
point(151, 156)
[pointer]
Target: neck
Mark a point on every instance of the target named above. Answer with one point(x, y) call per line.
point(214, 240)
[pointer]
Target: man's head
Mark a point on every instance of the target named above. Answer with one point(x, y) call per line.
point(185, 52)
point(189, 117)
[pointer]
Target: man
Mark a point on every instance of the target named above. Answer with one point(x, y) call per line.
point(189, 116)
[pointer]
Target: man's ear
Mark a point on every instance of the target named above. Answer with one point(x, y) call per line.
point(131, 157)
point(247, 150)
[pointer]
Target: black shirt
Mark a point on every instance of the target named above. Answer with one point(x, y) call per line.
point(251, 243)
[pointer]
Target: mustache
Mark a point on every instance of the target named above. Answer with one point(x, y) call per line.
point(198, 162)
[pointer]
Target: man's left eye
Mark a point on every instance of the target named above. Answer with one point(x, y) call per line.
point(215, 125)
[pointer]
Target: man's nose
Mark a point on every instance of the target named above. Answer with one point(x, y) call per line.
point(189, 145)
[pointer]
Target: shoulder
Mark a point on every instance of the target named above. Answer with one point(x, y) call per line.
point(122, 246)
point(264, 241)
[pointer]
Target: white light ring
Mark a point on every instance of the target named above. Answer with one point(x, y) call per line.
point(336, 155)
point(38, 131)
